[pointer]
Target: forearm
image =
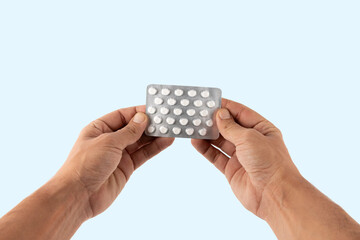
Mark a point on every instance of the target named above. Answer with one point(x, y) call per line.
point(55, 211)
point(297, 210)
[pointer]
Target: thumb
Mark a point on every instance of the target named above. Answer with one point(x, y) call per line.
point(227, 126)
point(132, 131)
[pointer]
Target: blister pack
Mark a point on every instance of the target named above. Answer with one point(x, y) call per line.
point(182, 111)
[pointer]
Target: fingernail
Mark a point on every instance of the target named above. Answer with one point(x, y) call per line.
point(139, 117)
point(224, 114)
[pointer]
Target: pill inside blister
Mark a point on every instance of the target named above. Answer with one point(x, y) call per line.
point(210, 104)
point(190, 112)
point(151, 110)
point(165, 91)
point(179, 92)
point(184, 102)
point(182, 111)
point(198, 103)
point(176, 130)
point(192, 93)
point(152, 91)
point(151, 129)
point(205, 94)
point(204, 113)
point(170, 120)
point(183, 121)
point(164, 110)
point(158, 101)
point(171, 101)
point(157, 119)
point(202, 131)
point(163, 129)
point(177, 111)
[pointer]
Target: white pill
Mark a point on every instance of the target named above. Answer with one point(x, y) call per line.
point(202, 132)
point(151, 110)
point(152, 91)
point(158, 101)
point(192, 93)
point(170, 120)
point(171, 101)
point(165, 91)
point(205, 94)
point(204, 113)
point(210, 104)
point(163, 129)
point(209, 123)
point(184, 102)
point(151, 129)
point(176, 130)
point(197, 122)
point(190, 112)
point(179, 92)
point(157, 119)
point(198, 103)
point(189, 131)
point(164, 110)
point(177, 111)
point(183, 121)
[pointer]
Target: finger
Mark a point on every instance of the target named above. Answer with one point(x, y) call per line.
point(115, 120)
point(132, 131)
point(212, 154)
point(245, 116)
point(148, 151)
point(228, 128)
point(225, 145)
point(144, 140)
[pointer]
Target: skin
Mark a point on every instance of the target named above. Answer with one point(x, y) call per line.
point(256, 163)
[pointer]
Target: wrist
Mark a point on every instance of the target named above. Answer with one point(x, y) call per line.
point(70, 194)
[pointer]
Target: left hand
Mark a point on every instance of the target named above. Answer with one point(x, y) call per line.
point(107, 152)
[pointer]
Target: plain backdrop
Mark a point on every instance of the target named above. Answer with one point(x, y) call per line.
point(66, 63)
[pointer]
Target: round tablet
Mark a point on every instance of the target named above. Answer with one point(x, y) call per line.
point(204, 113)
point(210, 104)
point(163, 129)
point(192, 93)
point(177, 111)
point(202, 132)
point(157, 119)
point(151, 129)
point(179, 92)
point(171, 101)
point(165, 91)
point(164, 110)
point(170, 120)
point(152, 91)
point(184, 102)
point(151, 110)
point(209, 123)
point(205, 94)
point(158, 101)
point(197, 122)
point(176, 130)
point(189, 131)
point(183, 121)
point(198, 103)
point(190, 112)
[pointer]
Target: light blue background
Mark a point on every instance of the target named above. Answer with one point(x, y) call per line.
point(65, 63)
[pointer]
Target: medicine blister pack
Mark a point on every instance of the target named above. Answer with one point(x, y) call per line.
point(182, 111)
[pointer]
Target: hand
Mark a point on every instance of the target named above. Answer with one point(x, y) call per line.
point(107, 152)
point(258, 156)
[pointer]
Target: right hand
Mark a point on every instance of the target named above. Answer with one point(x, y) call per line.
point(259, 159)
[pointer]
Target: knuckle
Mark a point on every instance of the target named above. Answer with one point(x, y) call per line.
point(131, 130)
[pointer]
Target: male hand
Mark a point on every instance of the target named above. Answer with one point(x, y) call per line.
point(258, 155)
point(107, 152)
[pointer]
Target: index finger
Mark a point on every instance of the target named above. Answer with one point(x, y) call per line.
point(245, 116)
